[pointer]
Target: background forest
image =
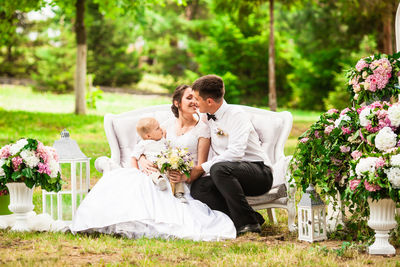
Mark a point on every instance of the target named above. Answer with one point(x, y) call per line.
point(172, 43)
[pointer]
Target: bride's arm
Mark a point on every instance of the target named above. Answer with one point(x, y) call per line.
point(203, 147)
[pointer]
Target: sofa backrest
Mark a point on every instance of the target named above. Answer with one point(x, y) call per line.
point(273, 128)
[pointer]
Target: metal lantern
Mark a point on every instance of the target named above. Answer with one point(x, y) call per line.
point(311, 216)
point(75, 171)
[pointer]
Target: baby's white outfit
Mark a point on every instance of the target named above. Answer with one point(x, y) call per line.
point(151, 149)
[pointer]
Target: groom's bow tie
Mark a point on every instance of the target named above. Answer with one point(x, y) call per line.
point(211, 116)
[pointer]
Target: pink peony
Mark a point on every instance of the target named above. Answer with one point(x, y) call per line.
point(361, 64)
point(344, 149)
point(354, 184)
point(5, 152)
point(304, 140)
point(356, 154)
point(371, 187)
point(346, 130)
point(16, 162)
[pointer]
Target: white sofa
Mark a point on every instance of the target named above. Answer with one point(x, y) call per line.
point(273, 129)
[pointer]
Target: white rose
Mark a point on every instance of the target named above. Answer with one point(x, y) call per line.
point(395, 160)
point(15, 148)
point(30, 158)
point(2, 173)
point(363, 117)
point(366, 165)
point(385, 139)
point(340, 119)
point(394, 115)
point(393, 175)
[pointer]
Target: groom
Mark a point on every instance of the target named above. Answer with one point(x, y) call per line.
point(239, 167)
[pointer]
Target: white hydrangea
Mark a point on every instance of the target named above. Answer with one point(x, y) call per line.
point(15, 148)
point(30, 158)
point(2, 173)
point(340, 119)
point(394, 115)
point(363, 117)
point(393, 175)
point(54, 168)
point(385, 139)
point(395, 160)
point(366, 165)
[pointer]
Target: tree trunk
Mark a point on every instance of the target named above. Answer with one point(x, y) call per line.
point(80, 77)
point(191, 9)
point(271, 60)
point(387, 30)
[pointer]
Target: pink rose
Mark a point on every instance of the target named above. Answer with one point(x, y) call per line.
point(344, 149)
point(354, 184)
point(371, 187)
point(346, 130)
point(356, 154)
point(329, 129)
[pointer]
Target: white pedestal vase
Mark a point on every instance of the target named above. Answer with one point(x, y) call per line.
point(381, 219)
point(20, 204)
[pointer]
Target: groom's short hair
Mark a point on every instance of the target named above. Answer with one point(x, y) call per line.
point(210, 86)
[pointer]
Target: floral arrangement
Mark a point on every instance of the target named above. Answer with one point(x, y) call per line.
point(374, 78)
point(31, 162)
point(174, 158)
point(376, 176)
point(3, 191)
point(328, 154)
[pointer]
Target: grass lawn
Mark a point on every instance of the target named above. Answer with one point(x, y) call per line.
point(24, 113)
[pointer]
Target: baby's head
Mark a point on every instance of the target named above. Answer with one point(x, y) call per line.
point(149, 129)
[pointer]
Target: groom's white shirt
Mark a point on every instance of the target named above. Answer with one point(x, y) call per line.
point(233, 138)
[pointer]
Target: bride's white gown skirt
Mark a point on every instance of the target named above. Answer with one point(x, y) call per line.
point(126, 202)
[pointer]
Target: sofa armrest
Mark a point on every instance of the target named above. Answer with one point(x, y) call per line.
point(105, 164)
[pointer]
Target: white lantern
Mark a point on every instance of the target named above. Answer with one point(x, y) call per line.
point(75, 171)
point(311, 216)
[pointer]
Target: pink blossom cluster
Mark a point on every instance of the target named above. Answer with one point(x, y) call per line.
point(5, 152)
point(371, 187)
point(44, 168)
point(354, 184)
point(377, 109)
point(17, 161)
point(356, 154)
point(304, 140)
point(381, 73)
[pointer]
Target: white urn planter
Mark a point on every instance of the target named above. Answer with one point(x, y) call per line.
point(20, 205)
point(381, 219)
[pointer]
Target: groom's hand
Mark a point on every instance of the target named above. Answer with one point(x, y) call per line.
point(195, 173)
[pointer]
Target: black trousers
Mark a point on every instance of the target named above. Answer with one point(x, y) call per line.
point(228, 184)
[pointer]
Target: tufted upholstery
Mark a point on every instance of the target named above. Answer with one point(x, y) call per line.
point(273, 129)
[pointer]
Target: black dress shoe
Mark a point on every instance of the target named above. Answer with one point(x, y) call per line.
point(252, 228)
point(260, 218)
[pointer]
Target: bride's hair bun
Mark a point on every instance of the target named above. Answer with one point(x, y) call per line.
point(177, 96)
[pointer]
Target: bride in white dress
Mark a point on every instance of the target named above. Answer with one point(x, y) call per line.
point(126, 201)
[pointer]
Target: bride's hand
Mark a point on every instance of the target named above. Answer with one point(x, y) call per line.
point(147, 166)
point(175, 176)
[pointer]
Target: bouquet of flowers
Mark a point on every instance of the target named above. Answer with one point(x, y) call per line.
point(174, 158)
point(31, 162)
point(376, 176)
point(374, 78)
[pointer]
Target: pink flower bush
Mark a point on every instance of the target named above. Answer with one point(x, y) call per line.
point(5, 152)
point(17, 161)
point(304, 140)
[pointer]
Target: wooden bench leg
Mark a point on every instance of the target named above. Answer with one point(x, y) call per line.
point(271, 215)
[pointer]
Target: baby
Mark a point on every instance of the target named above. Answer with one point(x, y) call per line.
point(150, 146)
